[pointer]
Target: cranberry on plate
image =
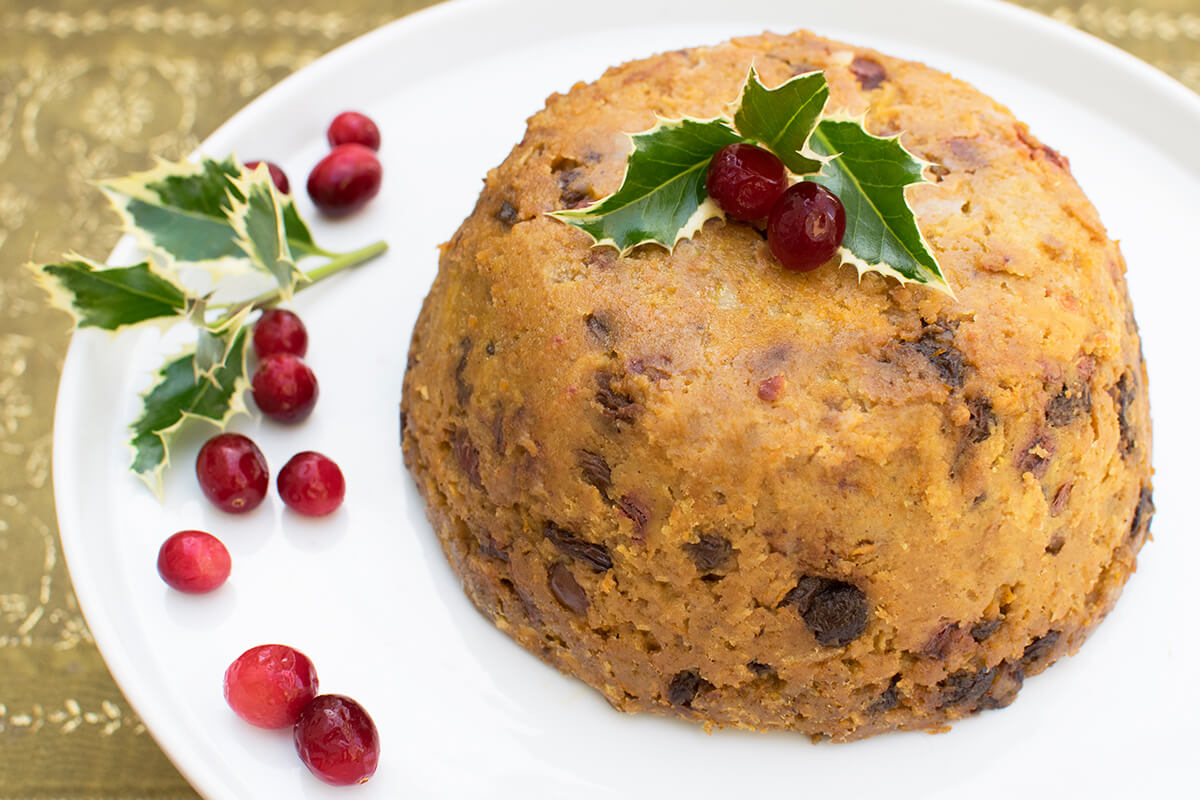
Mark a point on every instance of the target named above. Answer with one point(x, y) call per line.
point(311, 484)
point(280, 331)
point(352, 127)
point(284, 388)
point(278, 176)
point(194, 562)
point(337, 740)
point(232, 473)
point(344, 180)
point(269, 685)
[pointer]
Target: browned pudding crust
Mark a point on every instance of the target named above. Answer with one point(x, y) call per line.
point(711, 488)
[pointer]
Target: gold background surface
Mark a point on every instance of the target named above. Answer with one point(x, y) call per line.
point(98, 88)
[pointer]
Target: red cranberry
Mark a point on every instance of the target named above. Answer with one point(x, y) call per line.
point(806, 226)
point(745, 181)
point(311, 484)
point(232, 473)
point(285, 389)
point(337, 740)
point(280, 331)
point(193, 561)
point(270, 685)
point(345, 180)
point(278, 176)
point(351, 127)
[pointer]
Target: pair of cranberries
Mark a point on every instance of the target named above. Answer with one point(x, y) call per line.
point(344, 180)
point(349, 176)
point(233, 474)
point(285, 388)
point(275, 686)
point(805, 222)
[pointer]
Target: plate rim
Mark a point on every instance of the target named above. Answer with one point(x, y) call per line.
point(69, 514)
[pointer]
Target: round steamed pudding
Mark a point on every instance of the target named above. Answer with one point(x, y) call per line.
point(712, 488)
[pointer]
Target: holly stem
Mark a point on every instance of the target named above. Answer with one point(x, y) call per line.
point(314, 276)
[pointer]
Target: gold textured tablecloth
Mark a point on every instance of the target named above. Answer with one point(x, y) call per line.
point(97, 88)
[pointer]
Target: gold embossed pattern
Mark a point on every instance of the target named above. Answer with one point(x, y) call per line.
point(96, 88)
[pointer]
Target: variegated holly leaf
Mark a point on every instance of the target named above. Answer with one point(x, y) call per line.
point(179, 394)
point(180, 210)
point(868, 174)
point(214, 340)
point(211, 214)
point(256, 215)
point(662, 198)
point(782, 119)
point(111, 298)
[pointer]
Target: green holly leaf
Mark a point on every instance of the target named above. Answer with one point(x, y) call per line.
point(111, 298)
point(256, 215)
point(178, 395)
point(782, 119)
point(662, 198)
point(868, 174)
point(180, 210)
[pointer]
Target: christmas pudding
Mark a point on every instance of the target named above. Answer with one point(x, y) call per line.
point(835, 501)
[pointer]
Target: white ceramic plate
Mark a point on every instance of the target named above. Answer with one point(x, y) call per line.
point(462, 711)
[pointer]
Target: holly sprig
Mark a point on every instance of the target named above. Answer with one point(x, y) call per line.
point(663, 199)
point(214, 217)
